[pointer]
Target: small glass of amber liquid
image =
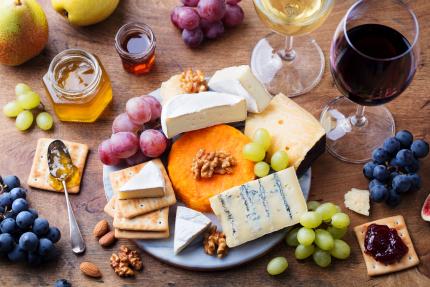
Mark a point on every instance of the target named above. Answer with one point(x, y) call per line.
point(135, 44)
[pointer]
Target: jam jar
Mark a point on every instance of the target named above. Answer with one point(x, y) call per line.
point(78, 86)
point(135, 44)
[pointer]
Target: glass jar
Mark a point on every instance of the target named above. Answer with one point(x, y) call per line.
point(78, 86)
point(135, 44)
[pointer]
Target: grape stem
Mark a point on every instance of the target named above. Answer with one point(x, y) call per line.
point(288, 54)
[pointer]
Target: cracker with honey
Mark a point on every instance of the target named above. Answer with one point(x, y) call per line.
point(39, 174)
point(374, 267)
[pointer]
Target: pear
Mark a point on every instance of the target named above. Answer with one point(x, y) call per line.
point(85, 12)
point(23, 31)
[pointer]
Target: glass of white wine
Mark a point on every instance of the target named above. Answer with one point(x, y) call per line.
point(285, 63)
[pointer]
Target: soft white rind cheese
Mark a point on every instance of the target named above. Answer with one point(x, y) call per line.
point(259, 207)
point(189, 112)
point(241, 81)
point(149, 182)
point(189, 224)
point(358, 200)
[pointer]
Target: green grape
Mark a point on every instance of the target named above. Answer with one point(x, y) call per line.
point(303, 252)
point(326, 210)
point(253, 152)
point(306, 236)
point(313, 205)
point(277, 265)
point(340, 250)
point(12, 109)
point(338, 209)
point(337, 233)
point(291, 238)
point(261, 169)
point(22, 89)
point(262, 137)
point(321, 258)
point(340, 220)
point(323, 239)
point(310, 219)
point(44, 121)
point(279, 160)
point(24, 120)
point(28, 100)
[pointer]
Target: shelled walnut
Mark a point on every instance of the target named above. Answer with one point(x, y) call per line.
point(193, 81)
point(214, 242)
point(206, 165)
point(126, 262)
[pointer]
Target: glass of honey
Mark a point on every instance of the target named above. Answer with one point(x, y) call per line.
point(135, 44)
point(78, 86)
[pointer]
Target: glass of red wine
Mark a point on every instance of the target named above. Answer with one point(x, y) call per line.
point(373, 59)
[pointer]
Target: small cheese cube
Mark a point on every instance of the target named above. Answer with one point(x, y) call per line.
point(358, 200)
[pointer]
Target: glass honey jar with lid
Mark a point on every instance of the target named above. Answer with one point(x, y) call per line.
point(78, 86)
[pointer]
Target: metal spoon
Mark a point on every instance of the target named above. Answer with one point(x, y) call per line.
point(61, 167)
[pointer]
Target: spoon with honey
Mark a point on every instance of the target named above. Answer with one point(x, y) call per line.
point(61, 168)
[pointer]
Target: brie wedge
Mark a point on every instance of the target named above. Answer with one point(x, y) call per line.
point(149, 182)
point(188, 226)
point(189, 112)
point(241, 81)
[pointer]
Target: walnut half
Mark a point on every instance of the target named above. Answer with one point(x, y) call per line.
point(193, 81)
point(126, 262)
point(206, 165)
point(214, 242)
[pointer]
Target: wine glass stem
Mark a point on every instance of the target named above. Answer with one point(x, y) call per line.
point(288, 54)
point(359, 119)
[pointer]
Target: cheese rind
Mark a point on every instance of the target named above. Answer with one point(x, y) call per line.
point(148, 182)
point(188, 226)
point(188, 112)
point(241, 81)
point(171, 88)
point(259, 207)
point(358, 200)
point(293, 130)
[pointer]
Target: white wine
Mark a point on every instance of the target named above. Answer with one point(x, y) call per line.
point(293, 17)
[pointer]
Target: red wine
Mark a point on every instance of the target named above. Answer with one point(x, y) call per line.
point(376, 67)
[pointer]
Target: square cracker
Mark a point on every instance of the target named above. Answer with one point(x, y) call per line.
point(109, 208)
point(39, 173)
point(374, 267)
point(126, 234)
point(130, 208)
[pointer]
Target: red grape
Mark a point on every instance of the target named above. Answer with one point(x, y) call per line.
point(138, 110)
point(190, 3)
point(233, 16)
point(153, 143)
point(122, 123)
point(137, 158)
point(211, 10)
point(213, 30)
point(124, 144)
point(193, 38)
point(105, 153)
point(155, 107)
point(232, 2)
point(174, 16)
point(187, 18)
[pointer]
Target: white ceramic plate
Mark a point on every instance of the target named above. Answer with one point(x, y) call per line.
point(194, 257)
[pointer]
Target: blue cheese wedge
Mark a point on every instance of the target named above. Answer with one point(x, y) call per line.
point(148, 182)
point(259, 207)
point(358, 200)
point(189, 112)
point(241, 81)
point(189, 225)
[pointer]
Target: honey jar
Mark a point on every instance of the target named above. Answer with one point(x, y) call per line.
point(135, 44)
point(78, 86)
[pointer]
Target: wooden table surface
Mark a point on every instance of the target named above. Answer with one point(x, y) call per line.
point(330, 180)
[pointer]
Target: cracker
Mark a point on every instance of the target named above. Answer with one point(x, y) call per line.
point(130, 208)
point(126, 234)
point(374, 267)
point(110, 207)
point(39, 173)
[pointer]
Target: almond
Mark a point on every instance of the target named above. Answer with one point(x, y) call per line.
point(90, 269)
point(108, 239)
point(101, 228)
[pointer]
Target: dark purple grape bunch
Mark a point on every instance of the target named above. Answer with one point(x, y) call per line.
point(24, 236)
point(205, 19)
point(394, 168)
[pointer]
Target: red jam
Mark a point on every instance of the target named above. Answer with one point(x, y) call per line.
point(384, 244)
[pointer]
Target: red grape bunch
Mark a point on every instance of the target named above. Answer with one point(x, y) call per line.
point(130, 141)
point(200, 19)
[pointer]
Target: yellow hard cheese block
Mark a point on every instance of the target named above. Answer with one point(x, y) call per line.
point(292, 128)
point(259, 207)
